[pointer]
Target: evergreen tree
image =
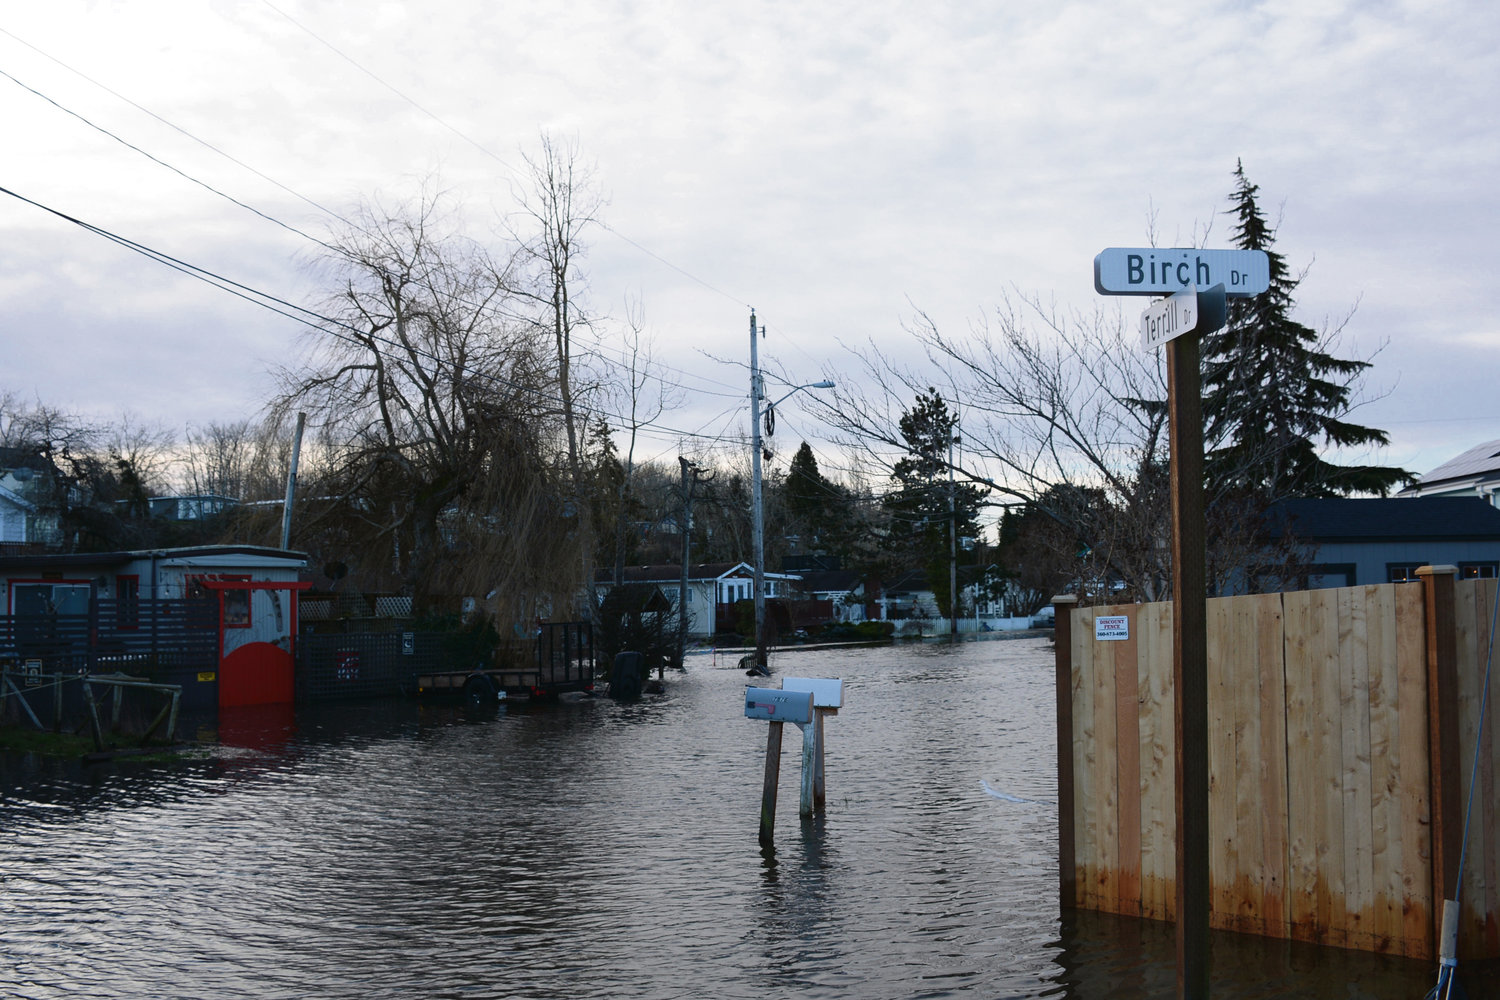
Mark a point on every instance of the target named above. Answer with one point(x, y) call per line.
point(813, 503)
point(920, 506)
point(1272, 396)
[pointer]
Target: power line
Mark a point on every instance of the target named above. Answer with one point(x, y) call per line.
point(308, 317)
point(160, 162)
point(332, 248)
point(176, 128)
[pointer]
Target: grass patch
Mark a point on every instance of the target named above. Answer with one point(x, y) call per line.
point(31, 740)
point(26, 739)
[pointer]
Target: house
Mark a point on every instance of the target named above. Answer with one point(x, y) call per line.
point(16, 517)
point(24, 476)
point(712, 588)
point(197, 507)
point(1474, 473)
point(1357, 541)
point(252, 591)
point(833, 592)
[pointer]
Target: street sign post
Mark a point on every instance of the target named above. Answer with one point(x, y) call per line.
point(1179, 322)
point(1155, 271)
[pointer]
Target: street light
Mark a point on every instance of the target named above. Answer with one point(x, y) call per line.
point(758, 528)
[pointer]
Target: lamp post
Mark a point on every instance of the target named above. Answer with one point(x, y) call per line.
point(757, 526)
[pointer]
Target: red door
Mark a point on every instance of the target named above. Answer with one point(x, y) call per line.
point(257, 673)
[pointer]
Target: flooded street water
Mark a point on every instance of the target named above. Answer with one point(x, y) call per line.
point(593, 849)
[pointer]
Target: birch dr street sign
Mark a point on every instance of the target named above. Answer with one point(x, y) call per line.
point(1155, 271)
point(1189, 311)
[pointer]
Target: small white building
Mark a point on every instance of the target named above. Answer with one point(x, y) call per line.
point(253, 588)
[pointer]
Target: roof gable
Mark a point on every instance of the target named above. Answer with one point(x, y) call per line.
point(1477, 461)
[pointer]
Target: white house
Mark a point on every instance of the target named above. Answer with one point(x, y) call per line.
point(1474, 473)
point(710, 585)
point(16, 513)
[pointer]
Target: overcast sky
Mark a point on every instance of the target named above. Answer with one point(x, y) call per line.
point(833, 165)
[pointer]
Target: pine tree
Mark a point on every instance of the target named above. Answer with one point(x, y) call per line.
point(1272, 396)
point(920, 506)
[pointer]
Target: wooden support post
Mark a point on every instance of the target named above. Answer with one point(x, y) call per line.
point(773, 777)
point(1067, 857)
point(93, 706)
point(1189, 663)
point(1445, 777)
point(57, 702)
point(809, 766)
point(10, 683)
point(819, 798)
point(172, 718)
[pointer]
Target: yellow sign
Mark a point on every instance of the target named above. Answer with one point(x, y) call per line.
point(207, 676)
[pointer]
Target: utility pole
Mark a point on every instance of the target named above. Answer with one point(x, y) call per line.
point(952, 547)
point(757, 520)
point(757, 529)
point(692, 475)
point(291, 485)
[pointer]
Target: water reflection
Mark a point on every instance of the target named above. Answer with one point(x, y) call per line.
point(588, 848)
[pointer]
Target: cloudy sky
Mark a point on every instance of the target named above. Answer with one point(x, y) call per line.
point(834, 165)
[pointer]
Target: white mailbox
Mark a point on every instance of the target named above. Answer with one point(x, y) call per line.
point(778, 706)
point(826, 692)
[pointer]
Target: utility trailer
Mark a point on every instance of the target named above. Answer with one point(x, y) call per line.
point(561, 660)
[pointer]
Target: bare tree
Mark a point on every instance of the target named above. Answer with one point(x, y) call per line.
point(434, 405)
point(642, 397)
point(1063, 417)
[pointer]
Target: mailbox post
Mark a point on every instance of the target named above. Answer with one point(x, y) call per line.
point(778, 708)
point(828, 698)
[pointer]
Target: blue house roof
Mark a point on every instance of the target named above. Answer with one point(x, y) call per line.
point(1405, 519)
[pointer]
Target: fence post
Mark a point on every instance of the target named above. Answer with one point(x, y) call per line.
point(1067, 860)
point(1444, 774)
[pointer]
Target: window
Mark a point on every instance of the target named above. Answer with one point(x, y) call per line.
point(127, 601)
point(1402, 572)
point(50, 598)
point(1478, 571)
point(236, 602)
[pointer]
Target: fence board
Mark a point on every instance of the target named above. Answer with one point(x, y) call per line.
point(1487, 594)
point(1415, 795)
point(1222, 861)
point(1328, 738)
point(1085, 752)
point(1271, 765)
point(1358, 812)
point(1472, 622)
point(1157, 740)
point(1302, 819)
point(1384, 920)
point(1106, 783)
point(1128, 767)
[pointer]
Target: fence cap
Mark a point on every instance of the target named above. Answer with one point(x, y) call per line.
point(1437, 570)
point(1065, 599)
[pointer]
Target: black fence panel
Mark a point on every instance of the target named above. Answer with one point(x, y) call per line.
point(355, 665)
point(137, 637)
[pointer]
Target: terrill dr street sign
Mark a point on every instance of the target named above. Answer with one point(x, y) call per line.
point(1171, 317)
point(1189, 311)
point(1155, 271)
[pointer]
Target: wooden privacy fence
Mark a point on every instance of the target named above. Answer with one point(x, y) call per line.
point(1342, 732)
